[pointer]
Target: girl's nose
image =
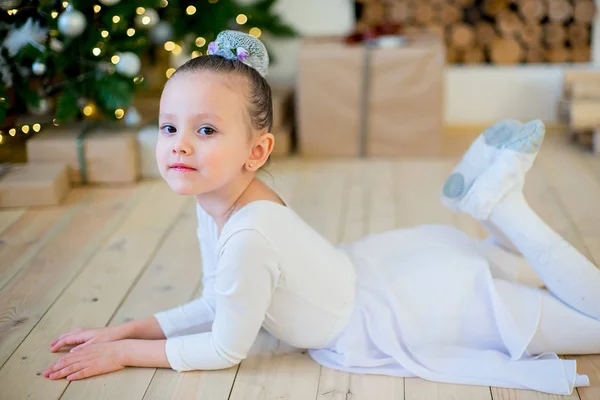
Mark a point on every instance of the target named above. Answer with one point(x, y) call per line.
point(181, 145)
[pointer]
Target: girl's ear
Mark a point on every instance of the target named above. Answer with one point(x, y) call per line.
point(263, 146)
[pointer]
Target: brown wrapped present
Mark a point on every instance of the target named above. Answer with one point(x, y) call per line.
point(282, 106)
point(100, 156)
point(26, 185)
point(371, 100)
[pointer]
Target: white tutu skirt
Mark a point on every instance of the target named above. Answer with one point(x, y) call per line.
point(431, 303)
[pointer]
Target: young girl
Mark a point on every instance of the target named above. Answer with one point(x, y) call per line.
point(427, 301)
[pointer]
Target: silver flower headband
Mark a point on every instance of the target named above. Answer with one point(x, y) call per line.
point(235, 45)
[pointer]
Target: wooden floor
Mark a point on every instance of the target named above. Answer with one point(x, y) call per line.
point(112, 254)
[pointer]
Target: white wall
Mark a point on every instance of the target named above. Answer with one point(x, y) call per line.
point(484, 94)
point(477, 94)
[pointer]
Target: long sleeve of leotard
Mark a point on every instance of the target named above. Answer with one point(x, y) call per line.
point(197, 315)
point(247, 273)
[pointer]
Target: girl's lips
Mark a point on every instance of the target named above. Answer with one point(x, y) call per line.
point(183, 169)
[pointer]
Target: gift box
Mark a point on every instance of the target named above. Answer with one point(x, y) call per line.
point(107, 155)
point(26, 185)
point(380, 97)
point(282, 120)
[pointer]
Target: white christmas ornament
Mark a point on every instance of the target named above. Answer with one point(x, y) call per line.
point(72, 22)
point(162, 32)
point(38, 68)
point(28, 33)
point(129, 64)
point(147, 19)
point(132, 117)
point(109, 2)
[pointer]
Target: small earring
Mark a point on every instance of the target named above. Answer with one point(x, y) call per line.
point(251, 165)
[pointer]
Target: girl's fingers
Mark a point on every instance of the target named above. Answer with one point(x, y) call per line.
point(82, 374)
point(63, 363)
point(69, 340)
point(81, 346)
point(65, 334)
point(68, 370)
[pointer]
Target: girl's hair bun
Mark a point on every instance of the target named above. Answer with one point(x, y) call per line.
point(235, 45)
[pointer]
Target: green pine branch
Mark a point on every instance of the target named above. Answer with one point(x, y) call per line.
point(76, 74)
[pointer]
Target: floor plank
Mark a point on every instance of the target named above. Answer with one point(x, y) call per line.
point(27, 297)
point(25, 237)
point(94, 295)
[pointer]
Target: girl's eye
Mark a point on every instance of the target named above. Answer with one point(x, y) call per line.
point(169, 129)
point(206, 131)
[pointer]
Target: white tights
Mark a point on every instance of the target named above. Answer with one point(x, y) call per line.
point(570, 311)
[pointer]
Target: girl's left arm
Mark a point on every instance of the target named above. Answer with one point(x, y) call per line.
point(102, 358)
point(143, 353)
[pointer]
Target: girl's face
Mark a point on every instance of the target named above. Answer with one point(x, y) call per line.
point(204, 132)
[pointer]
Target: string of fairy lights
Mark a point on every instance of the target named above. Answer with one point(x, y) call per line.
point(145, 17)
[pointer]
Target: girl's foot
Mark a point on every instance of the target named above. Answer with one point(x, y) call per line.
point(495, 164)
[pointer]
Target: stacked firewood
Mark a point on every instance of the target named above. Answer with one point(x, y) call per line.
point(493, 31)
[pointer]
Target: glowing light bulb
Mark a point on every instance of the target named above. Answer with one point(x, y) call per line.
point(96, 51)
point(104, 34)
point(140, 10)
point(37, 127)
point(170, 72)
point(190, 10)
point(12, 132)
point(130, 32)
point(256, 32)
point(119, 113)
point(116, 19)
point(97, 8)
point(200, 41)
point(115, 59)
point(25, 128)
point(241, 19)
point(54, 14)
point(169, 46)
point(88, 110)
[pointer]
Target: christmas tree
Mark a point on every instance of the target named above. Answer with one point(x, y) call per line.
point(62, 61)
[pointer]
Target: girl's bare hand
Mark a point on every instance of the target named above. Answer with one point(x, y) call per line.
point(96, 359)
point(82, 338)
